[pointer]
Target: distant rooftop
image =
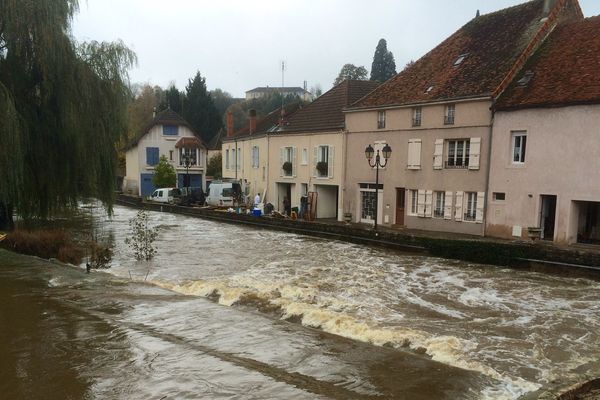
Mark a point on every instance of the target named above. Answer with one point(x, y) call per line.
point(269, 89)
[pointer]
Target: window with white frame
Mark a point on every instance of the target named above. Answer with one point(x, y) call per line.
point(381, 119)
point(227, 159)
point(287, 161)
point(458, 153)
point(440, 204)
point(470, 206)
point(413, 198)
point(449, 114)
point(192, 154)
point(416, 119)
point(322, 161)
point(519, 145)
point(255, 157)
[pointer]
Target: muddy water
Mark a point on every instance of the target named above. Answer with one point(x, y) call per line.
point(404, 326)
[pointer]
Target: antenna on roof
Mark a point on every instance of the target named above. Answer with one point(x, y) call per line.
point(477, 14)
point(282, 86)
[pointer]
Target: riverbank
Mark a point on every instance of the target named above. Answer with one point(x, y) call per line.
point(533, 256)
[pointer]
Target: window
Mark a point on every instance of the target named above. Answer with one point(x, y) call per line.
point(322, 161)
point(460, 59)
point(416, 119)
point(471, 206)
point(519, 145)
point(152, 155)
point(255, 157)
point(170, 155)
point(170, 130)
point(458, 153)
point(449, 114)
point(524, 81)
point(287, 161)
point(367, 201)
point(380, 119)
point(187, 152)
point(304, 156)
point(413, 197)
point(239, 158)
point(234, 161)
point(440, 204)
point(429, 89)
point(227, 159)
point(499, 196)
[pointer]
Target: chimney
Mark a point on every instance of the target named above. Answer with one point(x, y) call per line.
point(229, 124)
point(548, 6)
point(252, 115)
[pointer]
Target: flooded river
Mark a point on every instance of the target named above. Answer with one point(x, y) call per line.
point(230, 312)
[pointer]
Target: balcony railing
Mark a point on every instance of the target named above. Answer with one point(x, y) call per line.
point(416, 122)
point(449, 120)
point(469, 216)
point(437, 213)
point(457, 164)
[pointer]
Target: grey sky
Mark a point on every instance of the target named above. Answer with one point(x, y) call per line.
point(238, 44)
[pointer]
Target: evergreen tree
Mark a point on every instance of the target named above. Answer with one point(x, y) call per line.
point(62, 109)
point(384, 66)
point(199, 109)
point(214, 167)
point(174, 99)
point(351, 71)
point(164, 174)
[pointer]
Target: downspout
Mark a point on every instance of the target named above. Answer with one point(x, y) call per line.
point(236, 158)
point(489, 167)
point(344, 169)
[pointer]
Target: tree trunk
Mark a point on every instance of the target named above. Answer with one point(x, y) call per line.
point(6, 217)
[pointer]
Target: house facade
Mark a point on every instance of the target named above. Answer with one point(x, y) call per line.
point(167, 135)
point(436, 116)
point(546, 148)
point(311, 143)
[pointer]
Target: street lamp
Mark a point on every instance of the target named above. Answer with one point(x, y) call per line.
point(387, 153)
point(187, 161)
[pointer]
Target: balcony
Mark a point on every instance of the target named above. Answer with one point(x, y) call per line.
point(457, 164)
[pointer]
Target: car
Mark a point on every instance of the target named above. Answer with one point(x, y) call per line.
point(190, 196)
point(165, 195)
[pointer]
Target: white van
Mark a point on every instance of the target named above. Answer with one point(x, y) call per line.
point(223, 193)
point(165, 195)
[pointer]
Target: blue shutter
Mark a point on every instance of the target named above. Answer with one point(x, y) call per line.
point(170, 130)
point(152, 155)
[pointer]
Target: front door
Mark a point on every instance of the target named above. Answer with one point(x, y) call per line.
point(400, 204)
point(547, 216)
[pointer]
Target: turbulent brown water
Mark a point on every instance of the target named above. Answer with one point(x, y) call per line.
point(404, 326)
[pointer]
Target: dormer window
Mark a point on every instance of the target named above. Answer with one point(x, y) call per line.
point(524, 81)
point(380, 119)
point(460, 59)
point(170, 130)
point(429, 89)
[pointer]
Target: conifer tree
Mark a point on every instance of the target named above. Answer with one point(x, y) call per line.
point(199, 109)
point(62, 109)
point(384, 65)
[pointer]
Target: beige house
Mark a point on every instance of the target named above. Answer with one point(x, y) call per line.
point(167, 135)
point(436, 116)
point(311, 144)
point(546, 146)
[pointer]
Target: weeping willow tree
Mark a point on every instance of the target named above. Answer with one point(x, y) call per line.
point(62, 110)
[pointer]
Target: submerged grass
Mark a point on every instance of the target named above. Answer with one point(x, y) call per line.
point(44, 243)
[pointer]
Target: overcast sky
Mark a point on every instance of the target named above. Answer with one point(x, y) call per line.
point(239, 44)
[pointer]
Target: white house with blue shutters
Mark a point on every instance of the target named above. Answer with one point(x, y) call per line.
point(170, 135)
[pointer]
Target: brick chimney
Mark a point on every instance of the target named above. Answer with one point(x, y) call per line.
point(252, 116)
point(229, 124)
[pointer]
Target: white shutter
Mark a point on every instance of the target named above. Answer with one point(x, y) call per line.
point(414, 154)
point(294, 162)
point(281, 160)
point(314, 161)
point(257, 156)
point(474, 152)
point(458, 206)
point(330, 162)
point(429, 203)
point(480, 207)
point(438, 154)
point(448, 205)
point(421, 203)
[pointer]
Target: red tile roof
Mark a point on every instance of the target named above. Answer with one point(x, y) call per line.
point(565, 69)
point(189, 142)
point(269, 121)
point(491, 43)
point(325, 113)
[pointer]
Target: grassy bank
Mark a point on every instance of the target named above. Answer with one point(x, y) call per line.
point(44, 243)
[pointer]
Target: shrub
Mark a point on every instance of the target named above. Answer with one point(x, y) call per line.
point(142, 237)
point(322, 168)
point(44, 244)
point(287, 167)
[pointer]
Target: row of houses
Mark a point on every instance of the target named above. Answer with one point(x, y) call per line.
point(493, 132)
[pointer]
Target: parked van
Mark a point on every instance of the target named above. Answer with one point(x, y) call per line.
point(165, 195)
point(223, 193)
